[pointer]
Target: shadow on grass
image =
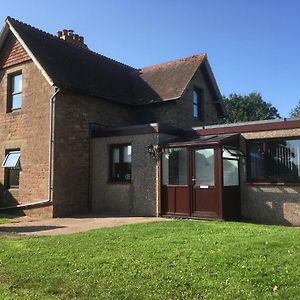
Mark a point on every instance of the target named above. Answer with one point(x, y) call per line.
point(24, 229)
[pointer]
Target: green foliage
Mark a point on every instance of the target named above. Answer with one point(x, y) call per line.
point(251, 107)
point(295, 113)
point(181, 259)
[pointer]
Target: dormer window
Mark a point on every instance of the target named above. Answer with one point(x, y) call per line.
point(197, 103)
point(15, 92)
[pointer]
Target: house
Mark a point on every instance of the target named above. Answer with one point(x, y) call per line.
point(82, 132)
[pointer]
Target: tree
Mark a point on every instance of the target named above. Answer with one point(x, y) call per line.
point(295, 113)
point(251, 107)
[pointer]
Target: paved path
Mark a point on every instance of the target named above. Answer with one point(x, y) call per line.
point(55, 226)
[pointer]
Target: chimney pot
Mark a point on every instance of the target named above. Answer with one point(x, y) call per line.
point(71, 37)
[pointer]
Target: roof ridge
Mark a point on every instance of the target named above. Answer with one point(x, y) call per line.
point(50, 35)
point(199, 56)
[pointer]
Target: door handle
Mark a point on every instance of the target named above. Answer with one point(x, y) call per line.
point(194, 180)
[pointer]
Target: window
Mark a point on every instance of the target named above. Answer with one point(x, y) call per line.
point(11, 164)
point(174, 166)
point(120, 160)
point(15, 92)
point(205, 167)
point(197, 104)
point(276, 160)
point(231, 166)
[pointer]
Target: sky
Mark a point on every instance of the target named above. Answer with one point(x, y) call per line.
point(252, 45)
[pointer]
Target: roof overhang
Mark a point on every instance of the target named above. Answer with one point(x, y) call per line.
point(205, 140)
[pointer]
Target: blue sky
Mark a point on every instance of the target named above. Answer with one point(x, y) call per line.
point(251, 45)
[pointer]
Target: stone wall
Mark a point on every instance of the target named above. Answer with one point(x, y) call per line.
point(135, 198)
point(270, 203)
point(74, 113)
point(140, 197)
point(27, 129)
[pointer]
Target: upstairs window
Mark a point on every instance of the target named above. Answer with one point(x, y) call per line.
point(197, 105)
point(120, 163)
point(15, 92)
point(11, 164)
point(276, 160)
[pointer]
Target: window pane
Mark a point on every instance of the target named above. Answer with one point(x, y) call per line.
point(121, 163)
point(231, 153)
point(13, 177)
point(11, 160)
point(195, 104)
point(205, 167)
point(16, 101)
point(195, 110)
point(230, 172)
point(275, 160)
point(257, 161)
point(174, 164)
point(282, 157)
point(127, 154)
point(116, 155)
point(195, 97)
point(16, 83)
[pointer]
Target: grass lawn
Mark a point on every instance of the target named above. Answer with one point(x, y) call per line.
point(6, 220)
point(161, 260)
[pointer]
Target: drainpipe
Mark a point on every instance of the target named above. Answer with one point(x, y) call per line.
point(50, 194)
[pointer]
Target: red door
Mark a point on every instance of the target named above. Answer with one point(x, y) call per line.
point(205, 191)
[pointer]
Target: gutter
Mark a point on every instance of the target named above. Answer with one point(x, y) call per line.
point(50, 194)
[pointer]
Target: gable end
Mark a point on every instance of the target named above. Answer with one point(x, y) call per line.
point(12, 53)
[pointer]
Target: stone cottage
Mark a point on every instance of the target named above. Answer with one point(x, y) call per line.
point(81, 132)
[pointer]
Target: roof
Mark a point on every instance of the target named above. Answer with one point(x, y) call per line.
point(73, 67)
point(204, 140)
point(69, 66)
point(166, 81)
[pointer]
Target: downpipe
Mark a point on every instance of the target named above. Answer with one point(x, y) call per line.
point(50, 194)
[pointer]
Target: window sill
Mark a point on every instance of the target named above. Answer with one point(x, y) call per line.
point(274, 183)
point(15, 111)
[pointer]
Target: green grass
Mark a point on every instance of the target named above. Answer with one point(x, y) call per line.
point(6, 220)
point(160, 260)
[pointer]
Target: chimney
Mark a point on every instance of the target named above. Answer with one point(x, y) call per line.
point(69, 36)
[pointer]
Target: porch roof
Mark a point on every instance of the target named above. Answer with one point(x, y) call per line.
point(204, 140)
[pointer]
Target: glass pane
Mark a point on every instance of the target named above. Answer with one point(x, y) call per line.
point(127, 154)
point(230, 172)
point(195, 110)
point(174, 164)
point(16, 101)
point(13, 177)
point(205, 167)
point(11, 160)
point(195, 97)
point(282, 158)
point(116, 155)
point(231, 153)
point(195, 104)
point(257, 162)
point(276, 160)
point(16, 84)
